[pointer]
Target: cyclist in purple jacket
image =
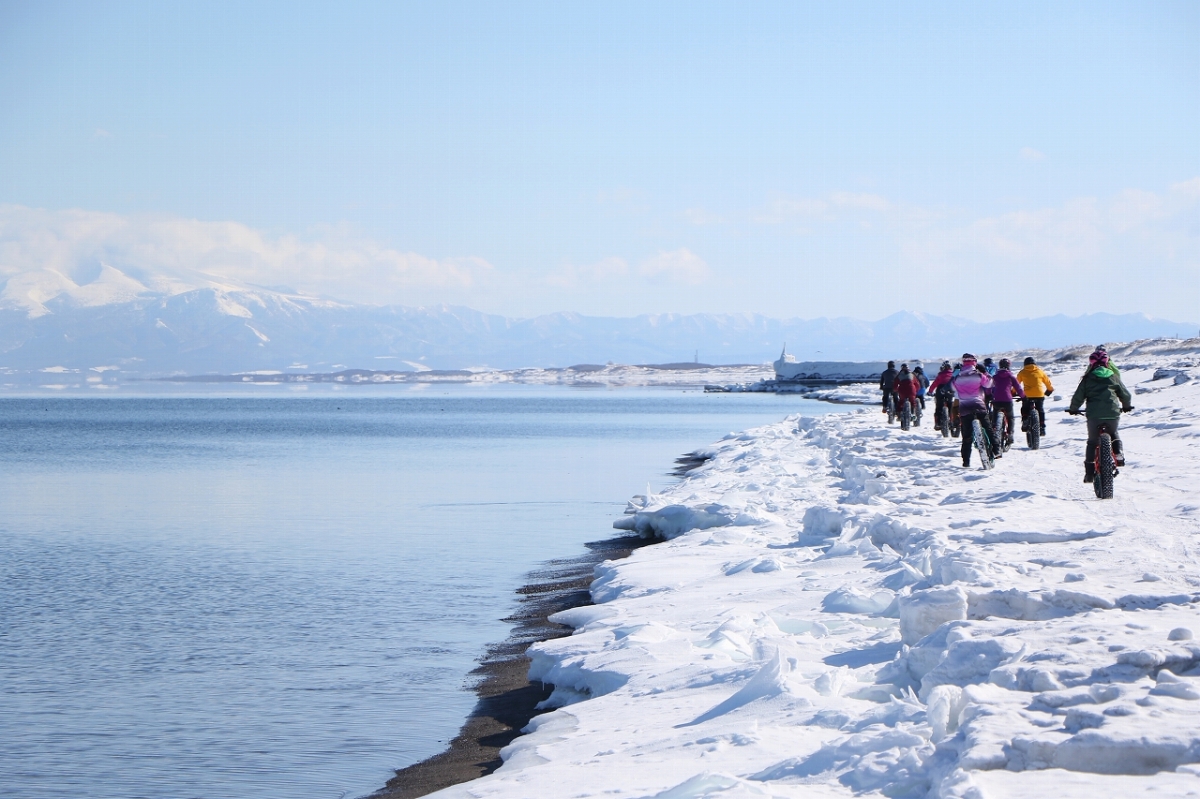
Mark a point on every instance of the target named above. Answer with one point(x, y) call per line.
point(969, 387)
point(1005, 386)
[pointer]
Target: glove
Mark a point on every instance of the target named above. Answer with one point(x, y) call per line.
point(1127, 410)
point(1073, 412)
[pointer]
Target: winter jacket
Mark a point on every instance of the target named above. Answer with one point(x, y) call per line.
point(887, 380)
point(1033, 379)
point(906, 386)
point(970, 387)
point(922, 382)
point(941, 383)
point(1005, 386)
point(1101, 388)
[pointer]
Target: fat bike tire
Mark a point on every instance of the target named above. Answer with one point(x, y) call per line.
point(1033, 435)
point(891, 406)
point(980, 443)
point(917, 413)
point(1106, 467)
point(943, 422)
point(905, 415)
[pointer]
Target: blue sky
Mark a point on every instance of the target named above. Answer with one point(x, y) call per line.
point(986, 160)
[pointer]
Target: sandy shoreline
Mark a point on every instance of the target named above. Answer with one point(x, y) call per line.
point(507, 699)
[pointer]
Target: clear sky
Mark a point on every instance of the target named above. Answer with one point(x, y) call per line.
point(985, 160)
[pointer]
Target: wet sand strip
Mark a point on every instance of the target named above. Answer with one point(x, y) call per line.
point(507, 698)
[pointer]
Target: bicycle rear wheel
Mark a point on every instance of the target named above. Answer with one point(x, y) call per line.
point(891, 409)
point(905, 415)
point(980, 443)
point(1033, 433)
point(1106, 467)
point(943, 421)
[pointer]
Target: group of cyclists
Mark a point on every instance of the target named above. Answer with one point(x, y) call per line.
point(968, 391)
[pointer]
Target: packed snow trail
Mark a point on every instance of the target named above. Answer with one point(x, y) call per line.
point(841, 609)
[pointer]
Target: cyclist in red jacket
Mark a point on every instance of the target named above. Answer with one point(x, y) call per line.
point(943, 392)
point(906, 389)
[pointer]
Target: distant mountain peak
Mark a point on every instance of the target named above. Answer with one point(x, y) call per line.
point(197, 324)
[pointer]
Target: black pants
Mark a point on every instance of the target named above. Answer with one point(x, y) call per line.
point(968, 433)
point(890, 392)
point(941, 401)
point(1005, 408)
point(1094, 437)
point(1029, 402)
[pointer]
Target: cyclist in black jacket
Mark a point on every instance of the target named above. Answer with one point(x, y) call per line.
point(887, 384)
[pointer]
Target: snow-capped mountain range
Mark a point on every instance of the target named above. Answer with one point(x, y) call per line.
point(190, 324)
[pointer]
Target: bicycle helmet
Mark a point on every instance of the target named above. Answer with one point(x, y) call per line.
point(903, 367)
point(969, 363)
point(1030, 361)
point(1005, 363)
point(919, 368)
point(891, 364)
point(946, 365)
point(1098, 358)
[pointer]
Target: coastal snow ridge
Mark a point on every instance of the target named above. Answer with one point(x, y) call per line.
point(841, 609)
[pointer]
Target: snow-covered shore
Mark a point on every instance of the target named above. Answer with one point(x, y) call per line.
point(841, 609)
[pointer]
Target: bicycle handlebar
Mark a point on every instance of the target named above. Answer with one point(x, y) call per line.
point(1078, 413)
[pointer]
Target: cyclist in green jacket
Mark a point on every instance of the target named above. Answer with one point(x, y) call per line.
point(1107, 398)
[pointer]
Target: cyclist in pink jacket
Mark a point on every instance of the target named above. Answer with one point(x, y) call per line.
point(970, 386)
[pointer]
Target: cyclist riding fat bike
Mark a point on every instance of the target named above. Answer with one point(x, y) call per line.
point(1106, 398)
point(969, 387)
point(942, 391)
point(887, 384)
point(922, 384)
point(1005, 386)
point(1037, 387)
point(906, 387)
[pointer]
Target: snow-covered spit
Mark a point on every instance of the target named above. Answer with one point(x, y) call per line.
point(840, 608)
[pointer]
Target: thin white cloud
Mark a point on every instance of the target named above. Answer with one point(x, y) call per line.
point(783, 210)
point(603, 271)
point(1187, 189)
point(702, 218)
point(865, 202)
point(1030, 154)
point(1108, 237)
point(678, 266)
point(169, 254)
point(803, 213)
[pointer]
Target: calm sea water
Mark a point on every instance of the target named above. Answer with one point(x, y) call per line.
point(281, 597)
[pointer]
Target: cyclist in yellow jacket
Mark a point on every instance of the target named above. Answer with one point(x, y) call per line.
point(1037, 386)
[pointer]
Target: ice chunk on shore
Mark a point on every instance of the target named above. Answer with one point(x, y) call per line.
point(922, 612)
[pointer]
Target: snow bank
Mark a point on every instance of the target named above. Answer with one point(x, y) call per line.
point(839, 608)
